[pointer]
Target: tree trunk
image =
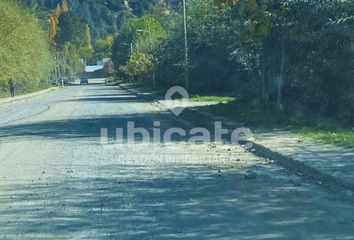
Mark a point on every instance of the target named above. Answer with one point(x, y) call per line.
point(154, 78)
point(264, 75)
point(281, 77)
point(168, 78)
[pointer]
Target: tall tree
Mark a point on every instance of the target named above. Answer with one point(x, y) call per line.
point(70, 29)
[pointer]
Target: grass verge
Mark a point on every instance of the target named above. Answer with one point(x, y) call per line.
point(340, 136)
point(321, 130)
point(6, 94)
point(223, 99)
point(324, 131)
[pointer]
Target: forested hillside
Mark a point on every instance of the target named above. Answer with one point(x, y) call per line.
point(103, 17)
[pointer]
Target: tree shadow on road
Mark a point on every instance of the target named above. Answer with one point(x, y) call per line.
point(89, 127)
point(109, 99)
point(164, 202)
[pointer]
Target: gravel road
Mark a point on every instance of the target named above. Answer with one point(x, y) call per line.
point(57, 180)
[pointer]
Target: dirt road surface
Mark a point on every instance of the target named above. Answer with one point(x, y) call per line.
point(57, 180)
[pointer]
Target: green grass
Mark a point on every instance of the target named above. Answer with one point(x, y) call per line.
point(126, 85)
point(328, 131)
point(158, 92)
point(322, 130)
point(114, 81)
point(142, 88)
point(252, 116)
point(344, 138)
point(223, 99)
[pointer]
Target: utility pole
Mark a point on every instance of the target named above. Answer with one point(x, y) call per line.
point(150, 41)
point(57, 66)
point(64, 64)
point(186, 72)
point(55, 70)
point(62, 68)
point(131, 54)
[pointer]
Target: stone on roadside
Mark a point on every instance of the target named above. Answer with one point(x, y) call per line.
point(250, 175)
point(296, 181)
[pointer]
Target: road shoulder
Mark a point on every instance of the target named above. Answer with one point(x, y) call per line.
point(325, 165)
point(26, 96)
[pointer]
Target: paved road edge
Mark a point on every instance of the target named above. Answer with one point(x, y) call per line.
point(26, 96)
point(344, 189)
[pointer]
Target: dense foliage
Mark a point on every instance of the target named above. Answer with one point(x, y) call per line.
point(104, 17)
point(138, 65)
point(294, 56)
point(24, 47)
point(144, 35)
point(70, 29)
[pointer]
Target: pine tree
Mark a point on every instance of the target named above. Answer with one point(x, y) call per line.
point(88, 37)
point(53, 27)
point(64, 6)
point(57, 11)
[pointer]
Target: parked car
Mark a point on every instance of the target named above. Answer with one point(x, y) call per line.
point(62, 80)
point(84, 80)
point(54, 82)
